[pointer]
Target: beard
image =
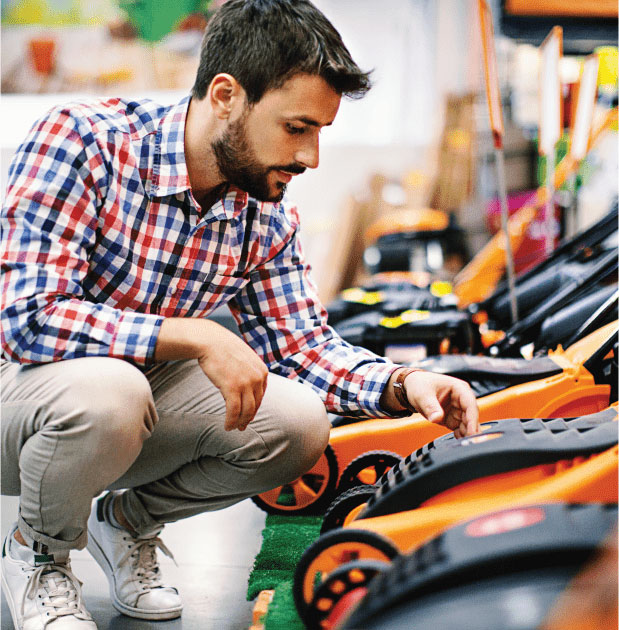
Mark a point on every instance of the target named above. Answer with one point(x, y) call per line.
point(239, 165)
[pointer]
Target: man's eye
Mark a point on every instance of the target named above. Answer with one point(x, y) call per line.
point(292, 129)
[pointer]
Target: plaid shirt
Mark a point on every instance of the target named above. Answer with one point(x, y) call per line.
point(102, 239)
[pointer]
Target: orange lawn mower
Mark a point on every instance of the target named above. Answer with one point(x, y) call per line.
point(418, 240)
point(507, 569)
point(566, 383)
point(510, 463)
point(409, 324)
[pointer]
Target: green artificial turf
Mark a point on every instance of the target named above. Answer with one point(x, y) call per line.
point(284, 539)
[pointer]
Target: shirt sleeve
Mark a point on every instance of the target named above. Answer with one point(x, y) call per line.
point(281, 317)
point(48, 223)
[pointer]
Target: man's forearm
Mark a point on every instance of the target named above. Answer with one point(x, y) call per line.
point(184, 338)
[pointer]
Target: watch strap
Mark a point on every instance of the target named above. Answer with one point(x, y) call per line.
point(400, 391)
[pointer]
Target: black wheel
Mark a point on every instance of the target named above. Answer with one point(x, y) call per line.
point(343, 580)
point(330, 551)
point(311, 493)
point(367, 469)
point(342, 506)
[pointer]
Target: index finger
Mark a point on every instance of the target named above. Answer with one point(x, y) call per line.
point(468, 404)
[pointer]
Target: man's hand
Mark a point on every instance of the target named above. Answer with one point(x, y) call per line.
point(439, 398)
point(231, 365)
point(444, 400)
point(239, 374)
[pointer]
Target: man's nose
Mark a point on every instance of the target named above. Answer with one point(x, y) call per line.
point(308, 155)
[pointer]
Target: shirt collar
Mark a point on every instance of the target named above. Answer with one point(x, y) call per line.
point(230, 205)
point(170, 175)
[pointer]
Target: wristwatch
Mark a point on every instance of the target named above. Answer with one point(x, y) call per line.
point(400, 391)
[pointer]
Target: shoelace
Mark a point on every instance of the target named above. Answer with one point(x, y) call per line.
point(63, 590)
point(146, 567)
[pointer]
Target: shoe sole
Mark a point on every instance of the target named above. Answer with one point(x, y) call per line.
point(138, 613)
point(10, 602)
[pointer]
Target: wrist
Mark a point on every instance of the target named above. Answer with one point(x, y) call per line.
point(399, 389)
point(183, 338)
point(392, 402)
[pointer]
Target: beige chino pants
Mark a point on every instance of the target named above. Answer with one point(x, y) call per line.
point(73, 428)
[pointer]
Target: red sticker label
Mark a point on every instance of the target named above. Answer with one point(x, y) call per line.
point(505, 522)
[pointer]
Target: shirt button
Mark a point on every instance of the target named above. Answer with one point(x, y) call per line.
point(171, 290)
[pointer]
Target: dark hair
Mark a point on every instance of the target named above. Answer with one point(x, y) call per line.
point(263, 43)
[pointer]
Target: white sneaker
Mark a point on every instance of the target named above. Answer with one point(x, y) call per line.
point(41, 590)
point(132, 568)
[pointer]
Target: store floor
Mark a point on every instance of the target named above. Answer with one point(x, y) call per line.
point(214, 552)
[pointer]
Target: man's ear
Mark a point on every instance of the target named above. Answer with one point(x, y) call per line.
point(226, 95)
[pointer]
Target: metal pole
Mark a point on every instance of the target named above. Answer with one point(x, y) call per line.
point(509, 256)
point(549, 219)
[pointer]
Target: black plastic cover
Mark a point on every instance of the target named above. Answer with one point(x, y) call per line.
point(506, 446)
point(529, 550)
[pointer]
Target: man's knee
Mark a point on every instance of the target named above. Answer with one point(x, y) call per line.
point(92, 413)
point(119, 406)
point(306, 434)
point(316, 427)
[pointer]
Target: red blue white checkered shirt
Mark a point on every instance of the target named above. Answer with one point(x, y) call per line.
point(102, 239)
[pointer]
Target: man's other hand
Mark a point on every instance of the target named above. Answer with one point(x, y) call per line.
point(231, 365)
point(439, 398)
point(240, 375)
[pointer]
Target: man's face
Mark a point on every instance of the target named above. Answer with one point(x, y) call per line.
point(277, 137)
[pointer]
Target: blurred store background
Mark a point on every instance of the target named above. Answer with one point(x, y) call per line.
point(420, 140)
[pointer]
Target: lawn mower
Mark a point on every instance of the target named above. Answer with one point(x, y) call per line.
point(409, 324)
point(510, 463)
point(579, 380)
point(472, 575)
point(415, 240)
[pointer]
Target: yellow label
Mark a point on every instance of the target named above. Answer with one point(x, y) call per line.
point(439, 288)
point(414, 316)
point(360, 296)
point(406, 317)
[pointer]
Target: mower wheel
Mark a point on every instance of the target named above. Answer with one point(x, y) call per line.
point(311, 493)
point(339, 511)
point(367, 469)
point(343, 580)
point(330, 551)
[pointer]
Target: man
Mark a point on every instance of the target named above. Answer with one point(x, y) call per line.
point(125, 223)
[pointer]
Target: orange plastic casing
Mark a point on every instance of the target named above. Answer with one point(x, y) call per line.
point(571, 393)
point(578, 481)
